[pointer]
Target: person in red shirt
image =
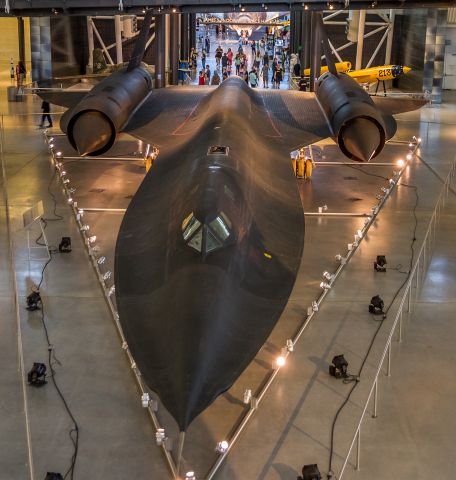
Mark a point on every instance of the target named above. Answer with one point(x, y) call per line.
point(230, 57)
point(201, 78)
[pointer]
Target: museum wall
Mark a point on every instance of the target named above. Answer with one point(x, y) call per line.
point(68, 45)
point(10, 45)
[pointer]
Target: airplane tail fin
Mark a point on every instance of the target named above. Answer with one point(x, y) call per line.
point(320, 42)
point(140, 45)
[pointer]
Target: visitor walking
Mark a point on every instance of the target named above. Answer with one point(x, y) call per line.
point(46, 108)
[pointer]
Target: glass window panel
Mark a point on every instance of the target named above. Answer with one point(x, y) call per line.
point(192, 226)
point(219, 227)
point(196, 241)
point(185, 222)
point(212, 243)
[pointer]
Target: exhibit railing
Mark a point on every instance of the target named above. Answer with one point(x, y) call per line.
point(312, 310)
point(416, 278)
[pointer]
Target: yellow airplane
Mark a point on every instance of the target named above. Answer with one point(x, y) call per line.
point(379, 74)
point(368, 75)
point(341, 67)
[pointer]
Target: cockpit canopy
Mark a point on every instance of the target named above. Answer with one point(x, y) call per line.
point(207, 238)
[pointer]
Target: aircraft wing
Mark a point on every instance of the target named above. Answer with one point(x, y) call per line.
point(167, 115)
point(393, 105)
point(362, 78)
point(295, 118)
point(66, 98)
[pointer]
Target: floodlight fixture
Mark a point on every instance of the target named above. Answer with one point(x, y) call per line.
point(62, 173)
point(222, 447)
point(33, 301)
point(53, 476)
point(410, 145)
point(325, 286)
point(58, 154)
point(290, 345)
point(190, 476)
point(101, 260)
point(379, 264)
point(92, 239)
point(70, 200)
point(376, 305)
point(349, 247)
point(400, 163)
point(65, 245)
point(315, 306)
point(37, 375)
point(359, 233)
point(66, 181)
point(107, 275)
point(310, 472)
point(112, 290)
point(384, 190)
point(409, 156)
point(339, 367)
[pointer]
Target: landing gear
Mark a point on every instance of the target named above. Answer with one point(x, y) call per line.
point(384, 87)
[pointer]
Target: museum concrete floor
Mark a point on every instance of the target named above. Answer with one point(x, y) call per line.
point(413, 435)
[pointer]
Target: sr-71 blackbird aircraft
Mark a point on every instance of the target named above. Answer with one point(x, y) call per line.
point(210, 245)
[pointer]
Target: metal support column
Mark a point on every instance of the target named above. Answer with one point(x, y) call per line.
point(90, 44)
point(306, 40)
point(185, 49)
point(174, 47)
point(160, 32)
point(21, 38)
point(360, 44)
point(389, 39)
point(192, 30)
point(315, 51)
point(118, 30)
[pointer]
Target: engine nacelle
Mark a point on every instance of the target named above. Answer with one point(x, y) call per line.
point(357, 125)
point(93, 124)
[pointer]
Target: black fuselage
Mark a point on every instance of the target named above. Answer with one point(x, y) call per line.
point(208, 252)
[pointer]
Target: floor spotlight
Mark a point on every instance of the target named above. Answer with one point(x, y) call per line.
point(310, 472)
point(65, 245)
point(222, 446)
point(37, 375)
point(379, 264)
point(339, 367)
point(376, 305)
point(33, 301)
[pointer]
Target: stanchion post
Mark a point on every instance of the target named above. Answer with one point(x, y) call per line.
point(358, 449)
point(374, 415)
point(399, 338)
point(388, 371)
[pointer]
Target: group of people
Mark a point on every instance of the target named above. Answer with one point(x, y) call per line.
point(261, 68)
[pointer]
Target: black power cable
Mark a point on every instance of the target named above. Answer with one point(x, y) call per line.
point(412, 256)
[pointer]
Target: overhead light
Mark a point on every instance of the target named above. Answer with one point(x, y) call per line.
point(174, 10)
point(325, 286)
point(190, 476)
point(376, 305)
point(92, 238)
point(360, 233)
point(59, 154)
point(409, 157)
point(290, 345)
point(107, 275)
point(379, 264)
point(37, 375)
point(222, 446)
point(101, 260)
point(84, 228)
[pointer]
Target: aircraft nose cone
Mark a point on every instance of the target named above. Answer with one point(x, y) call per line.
point(91, 132)
point(406, 69)
point(361, 138)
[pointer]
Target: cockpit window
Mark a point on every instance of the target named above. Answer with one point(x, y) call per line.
point(206, 238)
point(189, 226)
point(220, 228)
point(212, 243)
point(196, 241)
